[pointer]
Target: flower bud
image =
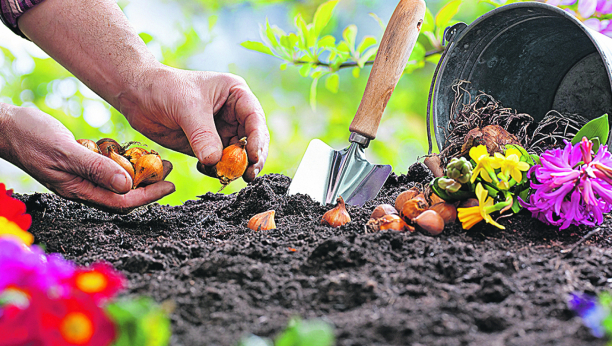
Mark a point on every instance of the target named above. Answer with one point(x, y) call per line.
point(262, 221)
point(449, 185)
point(459, 170)
point(337, 216)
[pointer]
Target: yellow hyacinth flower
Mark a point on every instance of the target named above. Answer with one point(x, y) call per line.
point(485, 164)
point(473, 215)
point(9, 229)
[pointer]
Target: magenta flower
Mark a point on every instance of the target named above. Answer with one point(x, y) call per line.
point(572, 186)
point(604, 6)
point(29, 267)
point(587, 8)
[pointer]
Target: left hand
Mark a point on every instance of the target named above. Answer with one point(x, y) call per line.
point(199, 113)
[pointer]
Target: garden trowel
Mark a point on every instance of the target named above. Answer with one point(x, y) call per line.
point(325, 173)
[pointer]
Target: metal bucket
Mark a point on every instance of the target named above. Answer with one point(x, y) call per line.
point(531, 57)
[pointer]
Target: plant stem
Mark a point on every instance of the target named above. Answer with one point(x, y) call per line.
point(353, 63)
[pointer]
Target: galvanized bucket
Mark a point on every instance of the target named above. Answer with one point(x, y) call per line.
point(531, 57)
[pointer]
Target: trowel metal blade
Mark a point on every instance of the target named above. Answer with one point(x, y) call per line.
point(325, 173)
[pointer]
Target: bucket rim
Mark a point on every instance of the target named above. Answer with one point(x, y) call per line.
point(453, 43)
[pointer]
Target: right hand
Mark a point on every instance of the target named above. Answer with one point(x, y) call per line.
point(41, 146)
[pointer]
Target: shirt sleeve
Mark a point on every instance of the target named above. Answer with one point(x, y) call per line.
point(11, 10)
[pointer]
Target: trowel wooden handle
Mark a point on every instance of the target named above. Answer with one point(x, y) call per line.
point(393, 53)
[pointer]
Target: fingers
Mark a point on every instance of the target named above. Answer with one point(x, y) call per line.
point(202, 135)
point(97, 169)
point(249, 113)
point(108, 201)
point(167, 168)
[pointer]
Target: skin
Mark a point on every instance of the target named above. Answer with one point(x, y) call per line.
point(192, 112)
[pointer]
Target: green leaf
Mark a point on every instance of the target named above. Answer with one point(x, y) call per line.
point(428, 22)
point(306, 333)
point(599, 127)
point(139, 322)
point(367, 42)
point(367, 55)
point(418, 52)
point(516, 206)
point(332, 82)
point(536, 159)
point(254, 340)
point(322, 16)
point(356, 72)
point(145, 37)
point(293, 40)
point(305, 70)
point(258, 47)
point(378, 20)
point(270, 35)
point(283, 66)
point(438, 191)
point(327, 42)
point(596, 144)
point(313, 94)
point(343, 47)
point(300, 24)
point(350, 35)
point(447, 13)
point(212, 21)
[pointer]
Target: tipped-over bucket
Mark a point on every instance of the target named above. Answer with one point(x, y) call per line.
point(531, 57)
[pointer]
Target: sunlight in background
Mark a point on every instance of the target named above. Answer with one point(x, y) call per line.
point(182, 37)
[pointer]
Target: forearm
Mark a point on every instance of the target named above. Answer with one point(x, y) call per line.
point(94, 41)
point(4, 122)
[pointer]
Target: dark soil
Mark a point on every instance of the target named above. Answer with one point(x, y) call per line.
point(482, 287)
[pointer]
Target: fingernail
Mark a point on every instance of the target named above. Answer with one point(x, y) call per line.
point(118, 183)
point(205, 155)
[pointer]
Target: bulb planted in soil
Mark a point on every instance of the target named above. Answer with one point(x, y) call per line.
point(337, 216)
point(263, 221)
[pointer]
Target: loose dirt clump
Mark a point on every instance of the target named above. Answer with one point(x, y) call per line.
point(479, 287)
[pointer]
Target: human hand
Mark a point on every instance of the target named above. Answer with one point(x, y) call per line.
point(199, 113)
point(42, 147)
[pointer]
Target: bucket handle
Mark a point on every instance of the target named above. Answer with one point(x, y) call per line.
point(450, 33)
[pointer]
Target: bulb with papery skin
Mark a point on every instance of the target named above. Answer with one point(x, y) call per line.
point(107, 145)
point(338, 216)
point(148, 169)
point(233, 164)
point(89, 144)
point(262, 221)
point(123, 162)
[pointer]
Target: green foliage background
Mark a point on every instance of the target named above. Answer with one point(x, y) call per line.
point(210, 31)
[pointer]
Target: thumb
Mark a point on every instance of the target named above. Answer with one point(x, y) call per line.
point(100, 170)
point(201, 132)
